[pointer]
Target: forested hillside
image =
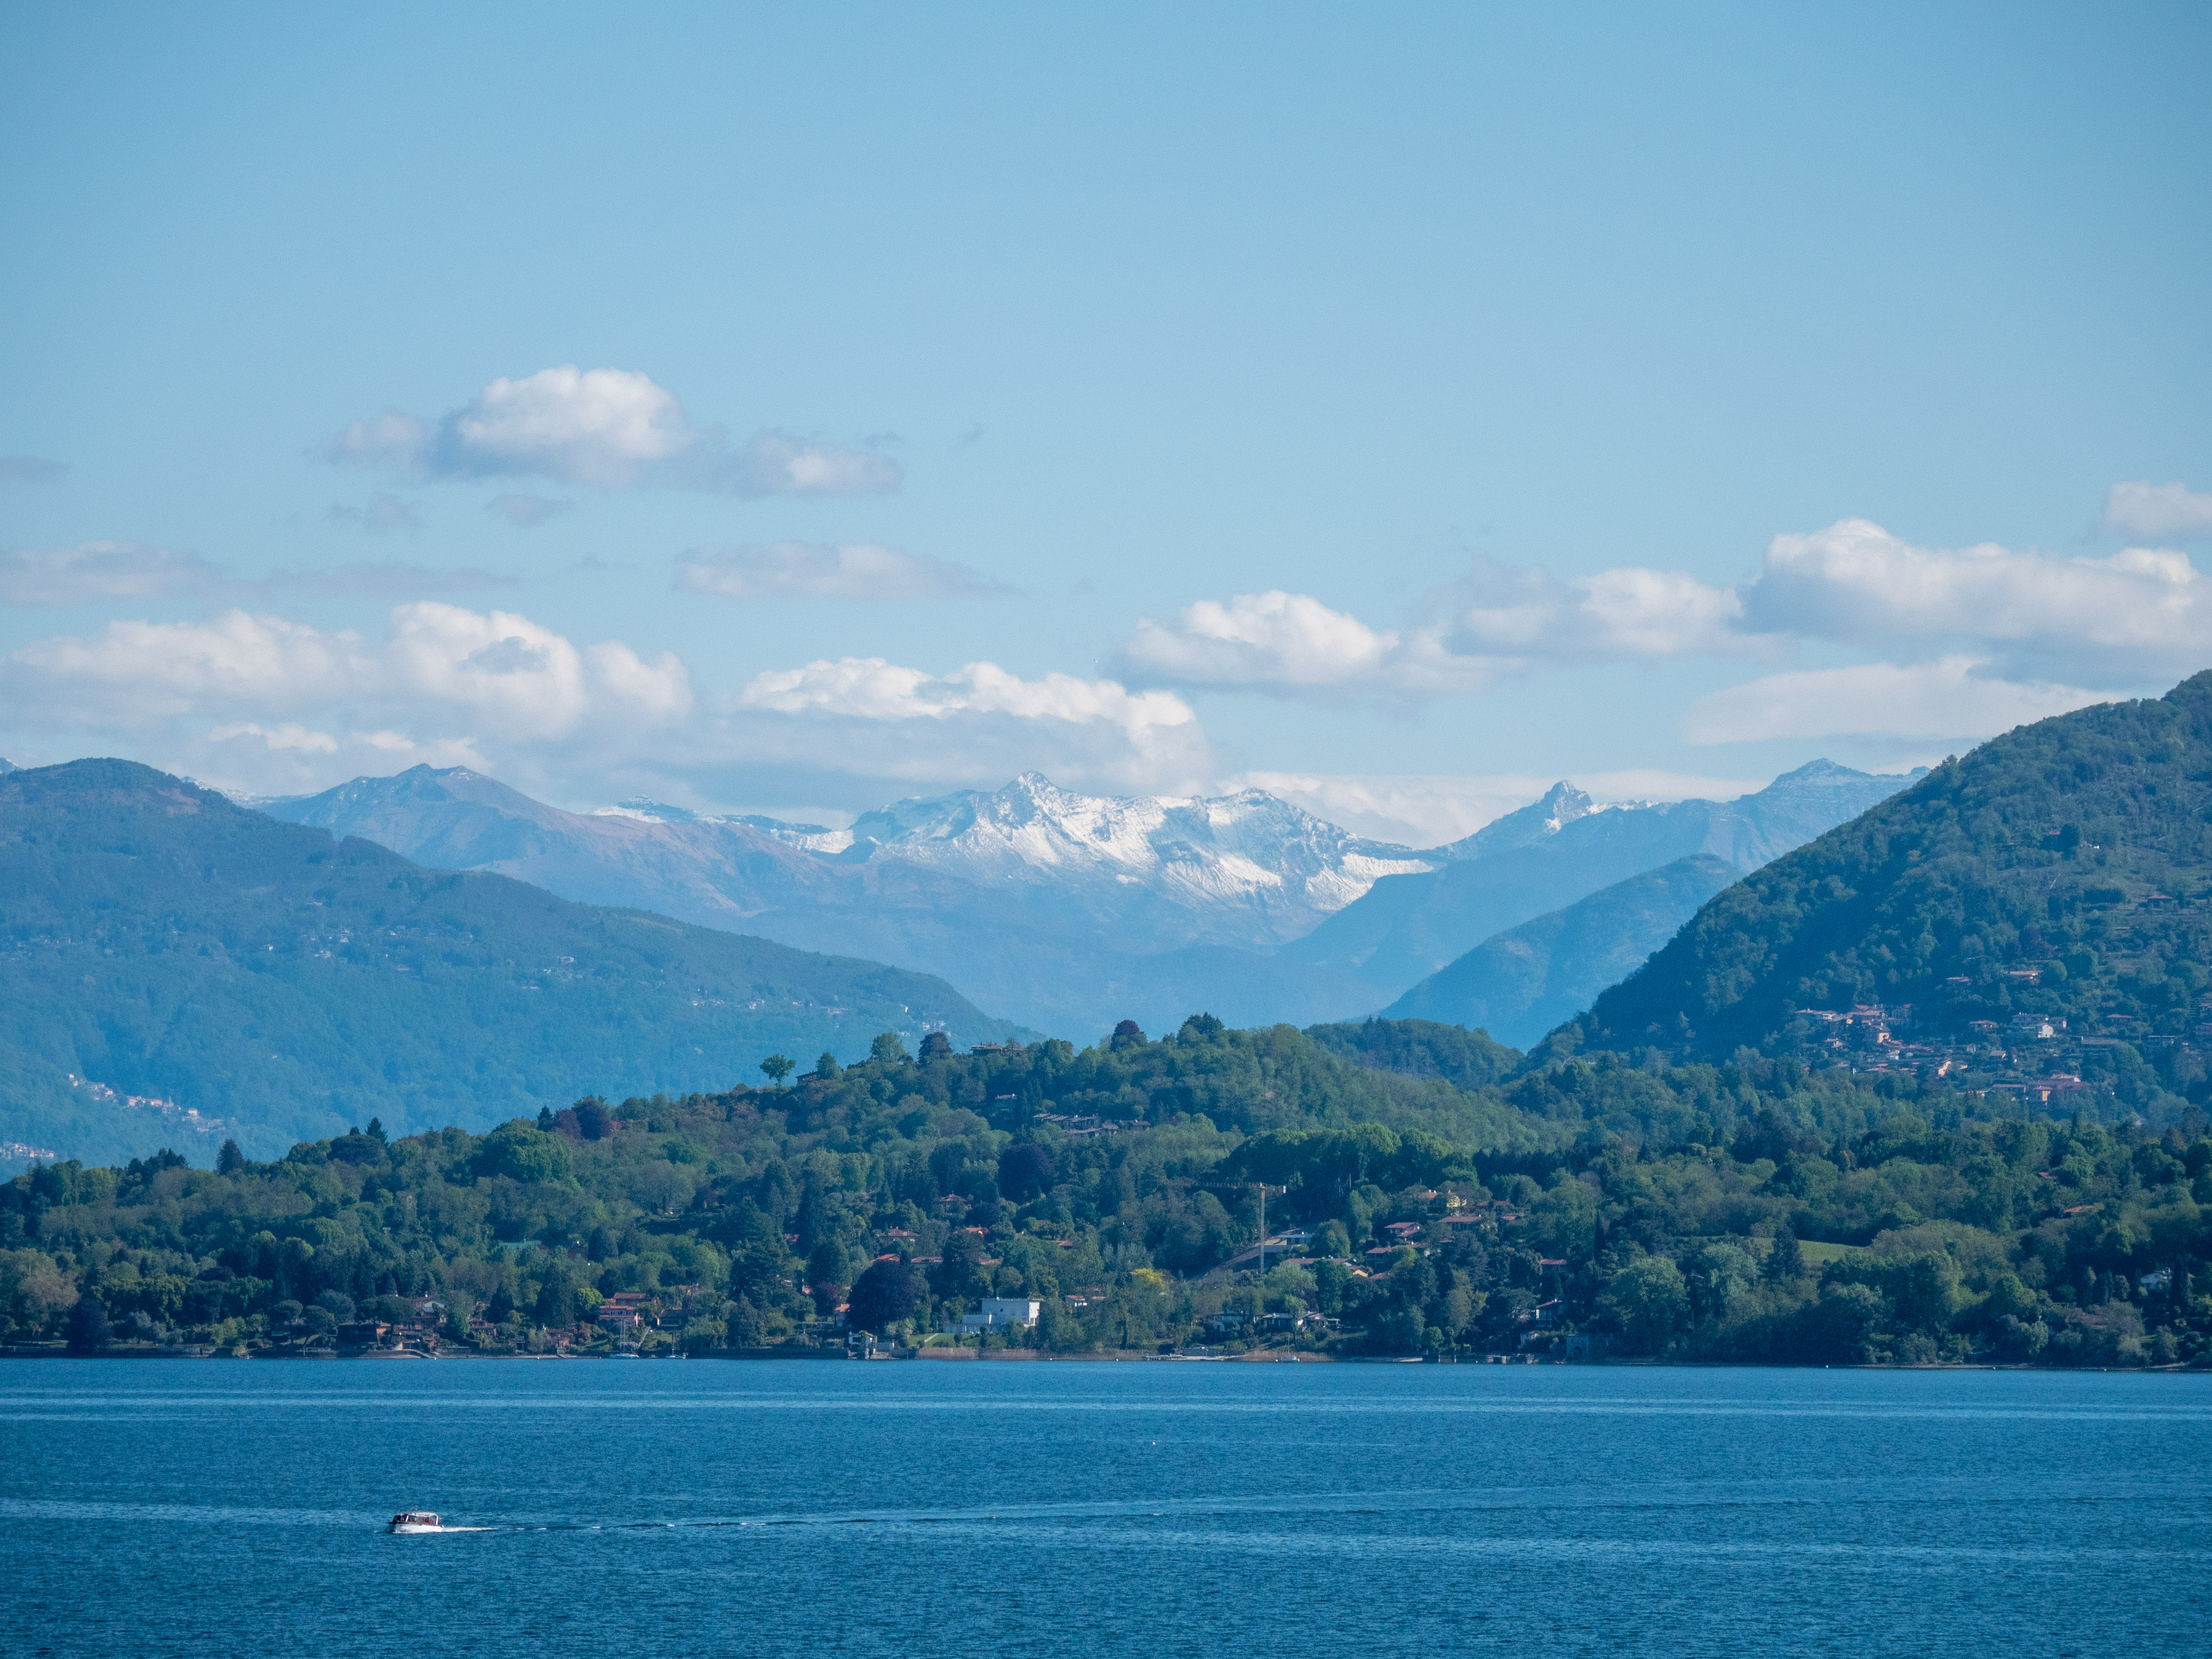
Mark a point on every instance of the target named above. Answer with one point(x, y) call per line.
point(174, 968)
point(2034, 917)
point(1749, 1210)
point(1519, 984)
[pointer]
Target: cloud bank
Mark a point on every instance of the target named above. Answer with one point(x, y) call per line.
point(1991, 636)
point(607, 429)
point(263, 703)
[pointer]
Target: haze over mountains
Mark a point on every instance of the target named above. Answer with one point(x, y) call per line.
point(1069, 912)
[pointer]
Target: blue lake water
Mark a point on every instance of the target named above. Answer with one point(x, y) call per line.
point(654, 1507)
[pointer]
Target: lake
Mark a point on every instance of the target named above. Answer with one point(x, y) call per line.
point(662, 1508)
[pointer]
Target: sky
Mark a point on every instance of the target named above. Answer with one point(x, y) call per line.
point(1397, 409)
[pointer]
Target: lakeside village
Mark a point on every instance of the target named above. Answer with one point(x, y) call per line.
point(670, 1321)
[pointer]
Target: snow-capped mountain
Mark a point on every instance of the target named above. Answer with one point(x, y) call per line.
point(1245, 870)
point(1065, 911)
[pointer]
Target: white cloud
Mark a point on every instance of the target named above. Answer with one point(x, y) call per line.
point(1942, 699)
point(2136, 614)
point(1495, 622)
point(498, 674)
point(2158, 512)
point(600, 427)
point(383, 513)
point(978, 725)
point(99, 570)
point(267, 705)
point(1292, 643)
point(528, 512)
point(811, 570)
point(1625, 612)
point(604, 428)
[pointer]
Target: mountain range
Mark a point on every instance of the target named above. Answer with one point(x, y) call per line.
point(176, 970)
point(1071, 912)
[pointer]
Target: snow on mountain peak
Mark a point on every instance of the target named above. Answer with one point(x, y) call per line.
point(1207, 856)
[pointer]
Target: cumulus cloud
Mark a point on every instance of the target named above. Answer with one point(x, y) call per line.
point(526, 512)
point(381, 515)
point(1292, 643)
point(2116, 620)
point(2158, 512)
point(30, 469)
point(92, 571)
point(1948, 698)
point(811, 570)
point(1495, 622)
point(498, 673)
point(1625, 612)
point(604, 428)
point(978, 725)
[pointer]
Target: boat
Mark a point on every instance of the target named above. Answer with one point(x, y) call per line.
point(414, 1521)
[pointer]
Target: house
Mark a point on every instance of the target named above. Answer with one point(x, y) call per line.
point(1000, 1311)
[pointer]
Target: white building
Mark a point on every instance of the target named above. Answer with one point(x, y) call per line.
point(1000, 1311)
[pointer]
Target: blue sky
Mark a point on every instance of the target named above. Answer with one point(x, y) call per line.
point(788, 411)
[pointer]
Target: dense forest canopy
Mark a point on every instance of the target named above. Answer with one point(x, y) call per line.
point(2060, 875)
point(1750, 1210)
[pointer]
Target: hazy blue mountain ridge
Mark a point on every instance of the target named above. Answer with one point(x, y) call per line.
point(158, 941)
point(1519, 984)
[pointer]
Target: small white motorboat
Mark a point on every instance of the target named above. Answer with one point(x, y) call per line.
point(414, 1521)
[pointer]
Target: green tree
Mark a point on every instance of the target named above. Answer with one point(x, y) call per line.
point(888, 1048)
point(1785, 1260)
point(777, 1067)
point(747, 1329)
point(829, 1270)
point(229, 1160)
point(826, 1069)
point(1650, 1299)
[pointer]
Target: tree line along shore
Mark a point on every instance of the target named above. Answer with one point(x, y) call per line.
point(1110, 1199)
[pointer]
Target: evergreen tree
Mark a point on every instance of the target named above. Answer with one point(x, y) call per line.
point(229, 1160)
